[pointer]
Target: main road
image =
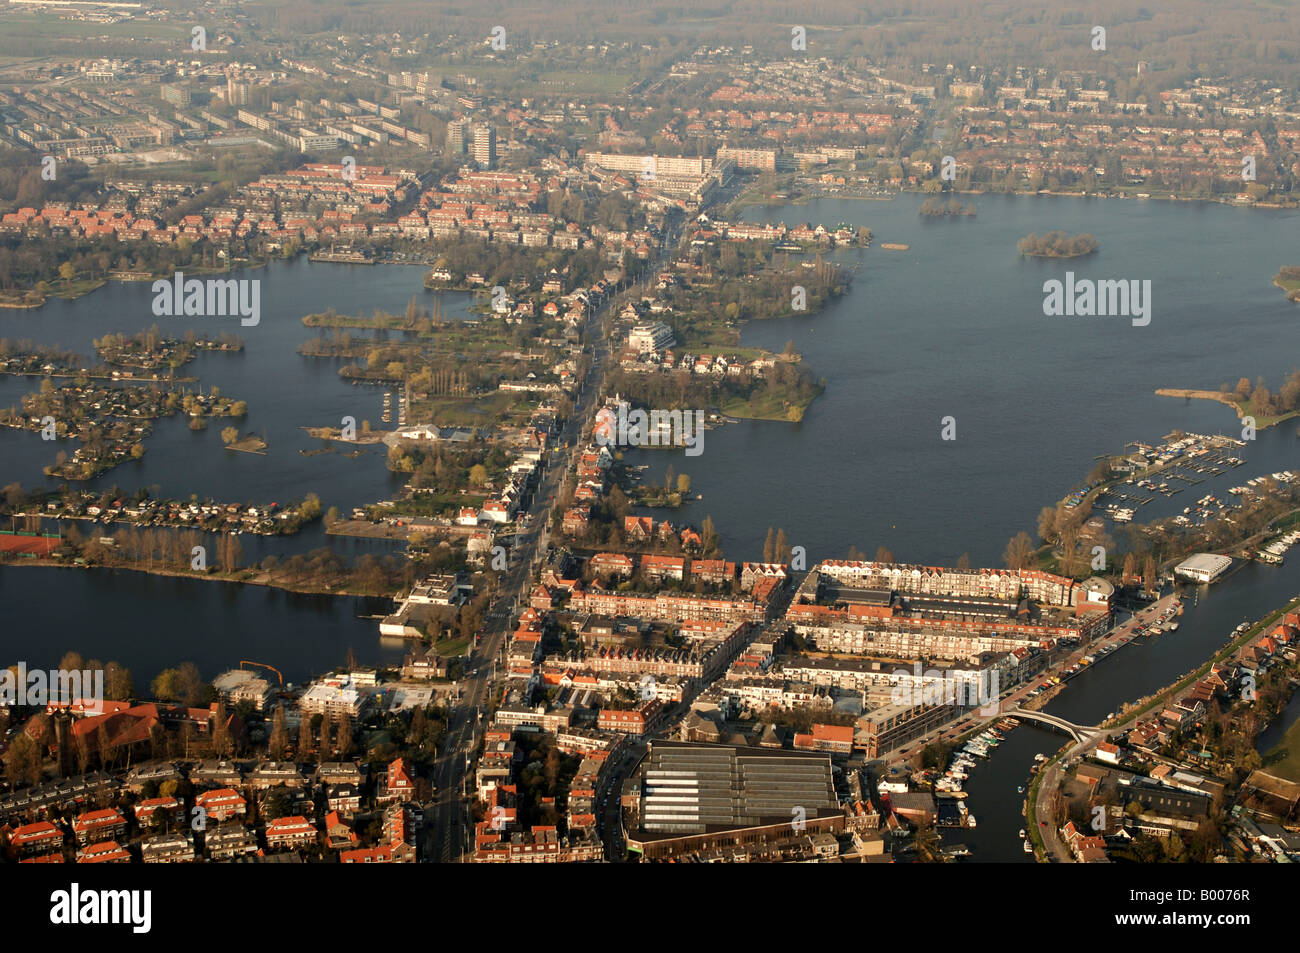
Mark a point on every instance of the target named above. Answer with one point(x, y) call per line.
point(451, 831)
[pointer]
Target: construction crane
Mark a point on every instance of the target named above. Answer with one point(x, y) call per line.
point(243, 662)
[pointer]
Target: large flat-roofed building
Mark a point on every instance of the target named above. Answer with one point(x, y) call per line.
point(889, 727)
point(1203, 567)
point(650, 164)
point(654, 336)
point(697, 797)
point(240, 685)
point(332, 696)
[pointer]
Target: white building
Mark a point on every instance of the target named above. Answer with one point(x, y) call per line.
point(651, 337)
point(240, 685)
point(332, 696)
point(1203, 567)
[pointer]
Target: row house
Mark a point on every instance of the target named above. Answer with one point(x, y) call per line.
point(167, 849)
point(656, 569)
point(222, 804)
point(344, 799)
point(713, 571)
point(613, 564)
point(169, 808)
point(751, 573)
point(107, 824)
point(224, 844)
point(394, 853)
point(31, 840)
point(104, 852)
point(288, 833)
point(636, 722)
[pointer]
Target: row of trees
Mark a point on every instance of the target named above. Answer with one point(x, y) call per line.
point(1263, 401)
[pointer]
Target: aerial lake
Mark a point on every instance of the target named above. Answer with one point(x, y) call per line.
point(952, 327)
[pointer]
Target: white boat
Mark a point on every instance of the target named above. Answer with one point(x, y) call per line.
point(1029, 848)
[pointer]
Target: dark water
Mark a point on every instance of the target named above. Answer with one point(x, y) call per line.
point(149, 623)
point(1274, 734)
point(954, 327)
point(284, 390)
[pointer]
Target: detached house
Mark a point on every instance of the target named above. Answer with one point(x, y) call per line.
point(398, 783)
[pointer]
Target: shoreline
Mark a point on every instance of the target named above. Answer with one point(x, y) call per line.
point(259, 577)
point(1218, 397)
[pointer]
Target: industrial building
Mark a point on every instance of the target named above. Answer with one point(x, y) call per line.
point(1203, 567)
point(699, 797)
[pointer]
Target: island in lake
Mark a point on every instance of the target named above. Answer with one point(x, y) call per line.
point(1288, 279)
point(1057, 244)
point(937, 208)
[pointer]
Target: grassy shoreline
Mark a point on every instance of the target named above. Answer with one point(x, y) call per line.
point(1244, 409)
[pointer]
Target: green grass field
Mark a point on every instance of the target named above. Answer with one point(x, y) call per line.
point(767, 407)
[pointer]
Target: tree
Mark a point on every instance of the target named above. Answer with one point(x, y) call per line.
point(117, 682)
point(1069, 551)
point(1047, 520)
point(310, 508)
point(183, 684)
point(884, 555)
point(166, 685)
point(478, 474)
point(1019, 551)
point(67, 271)
point(16, 759)
point(683, 483)
point(345, 743)
point(229, 435)
point(303, 746)
point(1262, 399)
point(963, 562)
point(221, 741)
point(331, 516)
point(769, 546)
point(1149, 573)
point(709, 537)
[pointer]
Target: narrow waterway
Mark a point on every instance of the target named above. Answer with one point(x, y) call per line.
point(1140, 668)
